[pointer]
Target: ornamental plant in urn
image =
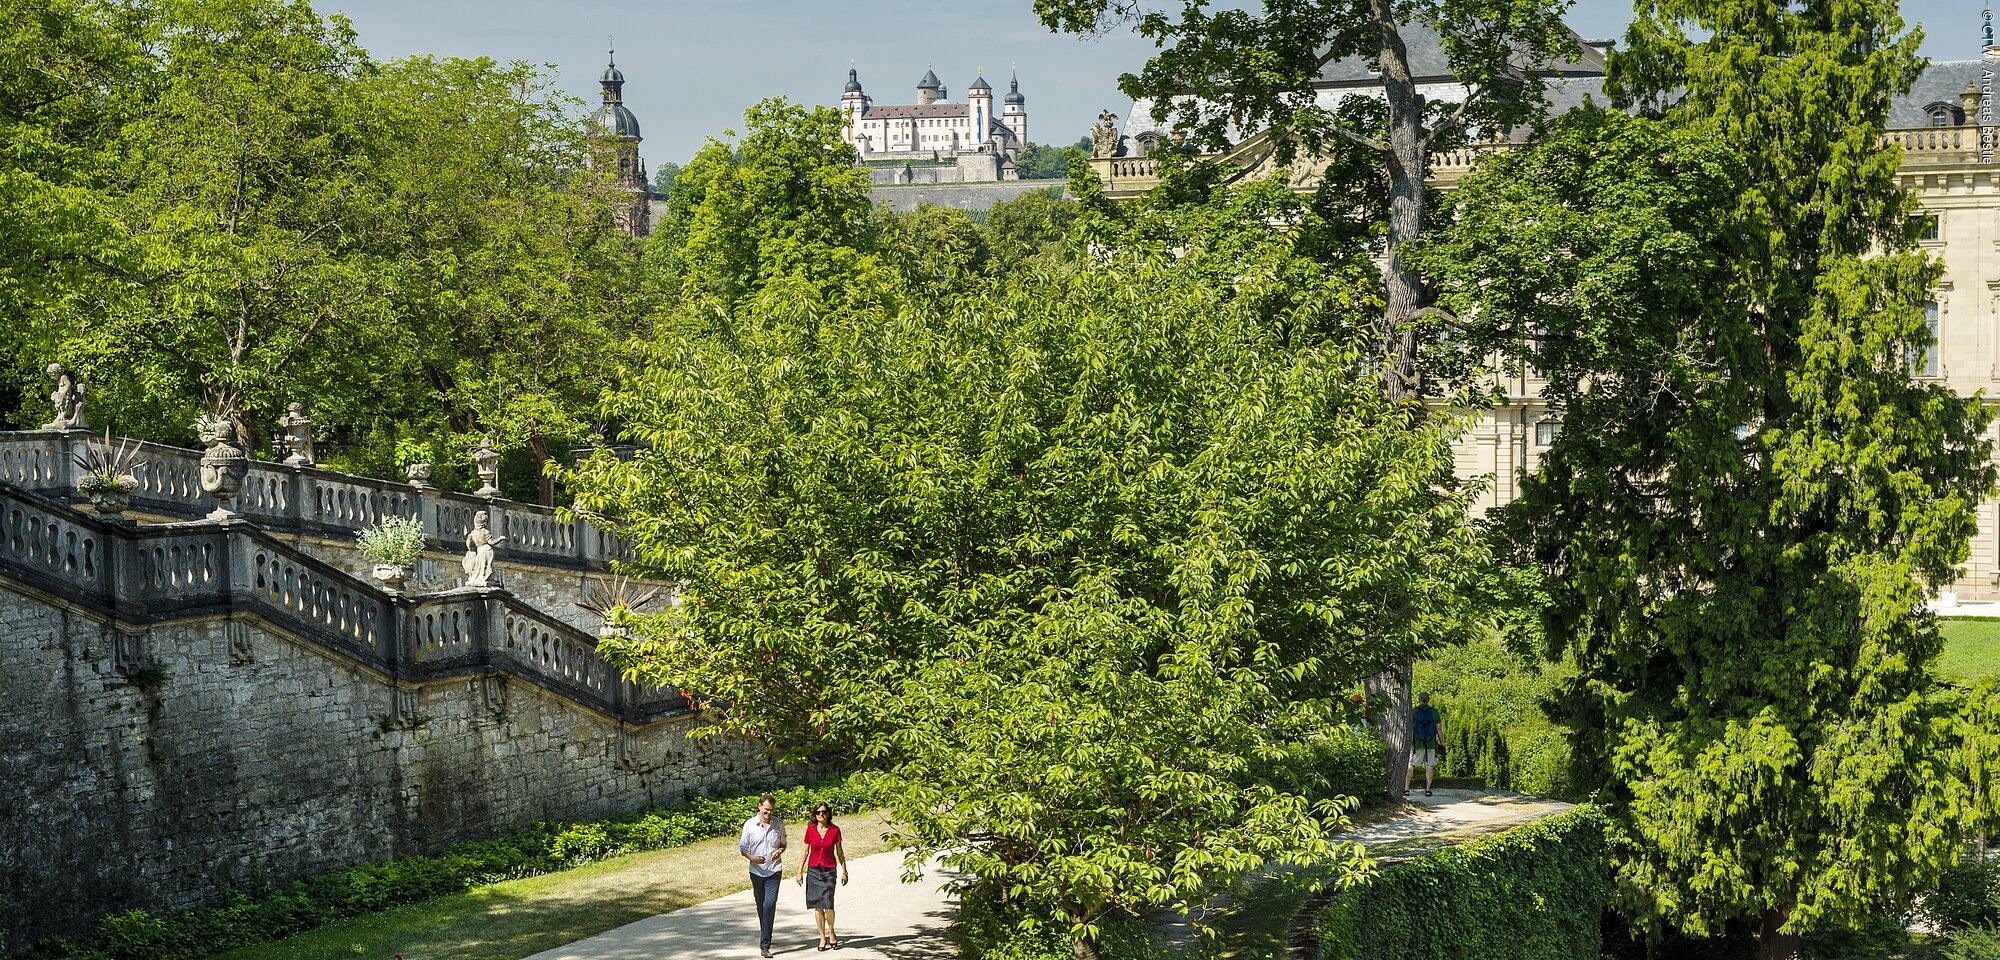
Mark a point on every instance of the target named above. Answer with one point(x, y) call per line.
point(108, 476)
point(615, 600)
point(224, 466)
point(393, 546)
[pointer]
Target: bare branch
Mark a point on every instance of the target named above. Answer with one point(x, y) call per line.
point(1457, 115)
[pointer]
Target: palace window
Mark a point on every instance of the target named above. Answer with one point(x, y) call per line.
point(1547, 429)
point(1924, 362)
point(1927, 226)
point(1940, 117)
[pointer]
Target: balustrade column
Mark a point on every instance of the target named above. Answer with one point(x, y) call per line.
point(490, 639)
point(391, 645)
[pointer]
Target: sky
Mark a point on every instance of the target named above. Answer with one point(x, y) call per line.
point(692, 66)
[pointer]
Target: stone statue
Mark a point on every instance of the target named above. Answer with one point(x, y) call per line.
point(1104, 136)
point(487, 460)
point(298, 435)
point(479, 544)
point(68, 400)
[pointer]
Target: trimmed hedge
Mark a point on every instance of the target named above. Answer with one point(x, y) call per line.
point(1536, 892)
point(1338, 763)
point(242, 920)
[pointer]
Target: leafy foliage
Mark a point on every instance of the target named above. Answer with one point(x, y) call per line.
point(1751, 498)
point(1533, 893)
point(243, 919)
point(1067, 558)
point(1039, 161)
point(226, 205)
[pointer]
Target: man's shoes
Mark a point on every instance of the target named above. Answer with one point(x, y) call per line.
point(767, 953)
point(1427, 793)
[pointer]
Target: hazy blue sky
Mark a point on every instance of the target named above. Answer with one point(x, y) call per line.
point(691, 66)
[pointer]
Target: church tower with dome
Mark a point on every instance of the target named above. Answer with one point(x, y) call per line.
point(617, 132)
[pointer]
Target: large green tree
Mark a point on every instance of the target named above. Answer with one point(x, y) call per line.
point(71, 73)
point(1226, 70)
point(494, 245)
point(1067, 559)
point(1753, 496)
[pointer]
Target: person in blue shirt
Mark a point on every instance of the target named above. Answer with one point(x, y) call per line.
point(1424, 743)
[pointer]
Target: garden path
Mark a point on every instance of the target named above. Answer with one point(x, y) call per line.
point(882, 918)
point(879, 918)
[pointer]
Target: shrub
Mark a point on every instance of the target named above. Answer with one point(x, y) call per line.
point(990, 928)
point(1977, 943)
point(1475, 747)
point(1967, 895)
point(395, 542)
point(241, 920)
point(1338, 763)
point(1537, 892)
point(1542, 764)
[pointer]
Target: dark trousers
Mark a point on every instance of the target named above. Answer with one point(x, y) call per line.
point(765, 890)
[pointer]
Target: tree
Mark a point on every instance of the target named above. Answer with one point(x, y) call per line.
point(495, 245)
point(1230, 69)
point(787, 199)
point(1043, 162)
point(1067, 559)
point(71, 73)
point(940, 252)
point(1752, 498)
point(663, 179)
point(1021, 227)
point(236, 192)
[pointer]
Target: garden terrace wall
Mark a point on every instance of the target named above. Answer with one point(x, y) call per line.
point(190, 707)
point(306, 500)
point(1536, 892)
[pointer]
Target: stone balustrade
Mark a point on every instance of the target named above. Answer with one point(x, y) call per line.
point(309, 500)
point(1126, 177)
point(144, 574)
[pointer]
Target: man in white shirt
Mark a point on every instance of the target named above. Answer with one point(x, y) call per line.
point(763, 844)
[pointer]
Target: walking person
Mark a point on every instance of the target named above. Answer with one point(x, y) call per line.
point(1424, 725)
point(823, 850)
point(763, 844)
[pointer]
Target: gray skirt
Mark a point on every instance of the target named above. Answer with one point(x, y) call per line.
point(819, 887)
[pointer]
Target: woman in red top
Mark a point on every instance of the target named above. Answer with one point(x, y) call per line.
point(823, 850)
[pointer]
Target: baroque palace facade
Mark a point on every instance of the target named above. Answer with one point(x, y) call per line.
point(1946, 128)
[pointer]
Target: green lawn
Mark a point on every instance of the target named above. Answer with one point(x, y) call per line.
point(507, 921)
point(1971, 648)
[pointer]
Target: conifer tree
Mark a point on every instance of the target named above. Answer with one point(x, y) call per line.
point(1753, 496)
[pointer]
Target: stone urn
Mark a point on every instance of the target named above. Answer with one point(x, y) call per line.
point(223, 468)
point(392, 577)
point(111, 504)
point(419, 474)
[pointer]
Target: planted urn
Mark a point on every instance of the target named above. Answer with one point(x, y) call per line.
point(393, 547)
point(108, 478)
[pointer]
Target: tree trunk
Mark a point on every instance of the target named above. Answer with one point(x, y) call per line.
point(545, 484)
point(1406, 162)
point(1404, 292)
point(1391, 689)
point(1771, 944)
point(1082, 949)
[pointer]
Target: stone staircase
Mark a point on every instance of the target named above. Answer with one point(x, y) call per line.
point(143, 574)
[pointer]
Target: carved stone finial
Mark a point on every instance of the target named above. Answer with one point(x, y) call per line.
point(297, 436)
point(418, 474)
point(68, 400)
point(223, 466)
point(487, 461)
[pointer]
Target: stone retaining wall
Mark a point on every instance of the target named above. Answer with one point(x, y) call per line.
point(240, 756)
